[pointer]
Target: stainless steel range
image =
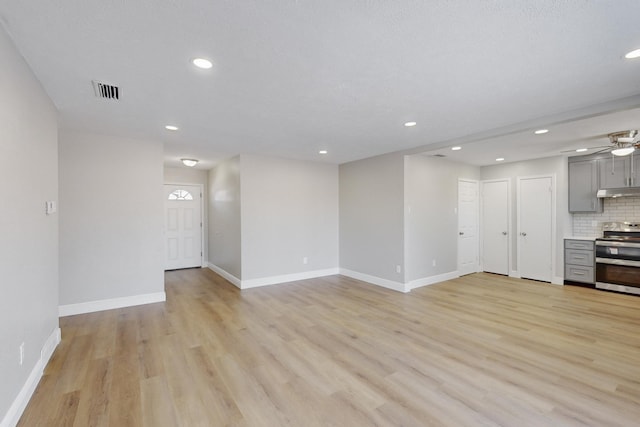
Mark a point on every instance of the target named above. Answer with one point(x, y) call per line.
point(618, 257)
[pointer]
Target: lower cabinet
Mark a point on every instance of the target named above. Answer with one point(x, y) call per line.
point(579, 261)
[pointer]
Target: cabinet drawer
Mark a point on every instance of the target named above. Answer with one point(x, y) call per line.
point(578, 273)
point(578, 257)
point(578, 244)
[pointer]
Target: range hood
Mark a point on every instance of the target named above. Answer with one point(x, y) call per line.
point(619, 192)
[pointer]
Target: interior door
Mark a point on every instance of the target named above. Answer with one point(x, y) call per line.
point(535, 216)
point(467, 226)
point(183, 226)
point(495, 226)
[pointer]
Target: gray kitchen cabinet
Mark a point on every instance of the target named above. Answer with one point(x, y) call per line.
point(579, 261)
point(583, 186)
point(617, 172)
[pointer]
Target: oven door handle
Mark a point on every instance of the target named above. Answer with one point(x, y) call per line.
point(617, 244)
point(617, 261)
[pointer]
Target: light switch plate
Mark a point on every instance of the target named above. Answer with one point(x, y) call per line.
point(50, 207)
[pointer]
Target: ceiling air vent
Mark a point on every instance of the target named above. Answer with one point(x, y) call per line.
point(438, 155)
point(106, 91)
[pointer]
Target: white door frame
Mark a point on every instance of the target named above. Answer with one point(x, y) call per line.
point(509, 223)
point(553, 223)
point(202, 217)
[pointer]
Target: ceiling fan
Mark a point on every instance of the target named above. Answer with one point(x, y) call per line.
point(623, 143)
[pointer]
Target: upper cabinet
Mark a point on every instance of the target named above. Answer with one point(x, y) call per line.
point(583, 186)
point(617, 172)
point(588, 174)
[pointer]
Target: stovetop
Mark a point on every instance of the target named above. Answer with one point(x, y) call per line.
point(621, 231)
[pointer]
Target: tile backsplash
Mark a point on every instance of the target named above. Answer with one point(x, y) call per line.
point(615, 209)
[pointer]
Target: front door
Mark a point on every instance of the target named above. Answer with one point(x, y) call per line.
point(467, 226)
point(183, 226)
point(495, 226)
point(535, 227)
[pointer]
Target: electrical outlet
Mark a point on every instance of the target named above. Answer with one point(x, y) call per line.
point(305, 260)
point(21, 354)
point(398, 269)
point(433, 262)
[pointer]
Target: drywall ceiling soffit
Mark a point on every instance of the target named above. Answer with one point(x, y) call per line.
point(290, 78)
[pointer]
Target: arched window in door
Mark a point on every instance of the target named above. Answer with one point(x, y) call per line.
point(180, 195)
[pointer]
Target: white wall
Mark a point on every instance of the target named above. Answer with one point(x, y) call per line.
point(187, 175)
point(29, 238)
point(224, 218)
point(547, 166)
point(372, 217)
point(431, 219)
point(289, 211)
point(111, 218)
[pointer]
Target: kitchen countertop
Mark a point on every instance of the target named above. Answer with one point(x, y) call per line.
point(590, 238)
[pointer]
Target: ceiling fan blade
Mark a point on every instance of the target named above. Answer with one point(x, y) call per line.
point(603, 150)
point(588, 148)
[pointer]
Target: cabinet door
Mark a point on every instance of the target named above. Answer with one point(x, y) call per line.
point(634, 170)
point(614, 172)
point(583, 186)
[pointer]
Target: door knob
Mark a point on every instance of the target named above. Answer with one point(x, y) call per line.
point(523, 234)
point(461, 233)
point(504, 233)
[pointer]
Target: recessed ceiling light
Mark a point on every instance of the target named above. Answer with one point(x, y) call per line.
point(171, 127)
point(541, 131)
point(633, 54)
point(581, 150)
point(322, 152)
point(409, 124)
point(500, 159)
point(189, 162)
point(202, 63)
point(456, 148)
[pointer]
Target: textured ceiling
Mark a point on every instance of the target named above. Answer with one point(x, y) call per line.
point(293, 77)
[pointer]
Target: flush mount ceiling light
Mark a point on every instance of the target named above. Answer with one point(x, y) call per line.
point(322, 152)
point(456, 148)
point(410, 124)
point(633, 54)
point(189, 162)
point(541, 131)
point(171, 127)
point(205, 64)
point(500, 159)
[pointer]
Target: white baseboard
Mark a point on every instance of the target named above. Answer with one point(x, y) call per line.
point(426, 281)
point(555, 280)
point(274, 280)
point(230, 277)
point(515, 274)
point(110, 304)
point(385, 283)
point(16, 409)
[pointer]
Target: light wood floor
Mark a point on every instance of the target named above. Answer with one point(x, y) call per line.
point(475, 351)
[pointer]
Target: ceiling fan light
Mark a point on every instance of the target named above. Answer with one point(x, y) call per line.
point(623, 151)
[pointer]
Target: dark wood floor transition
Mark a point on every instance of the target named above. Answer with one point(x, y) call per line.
point(479, 350)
